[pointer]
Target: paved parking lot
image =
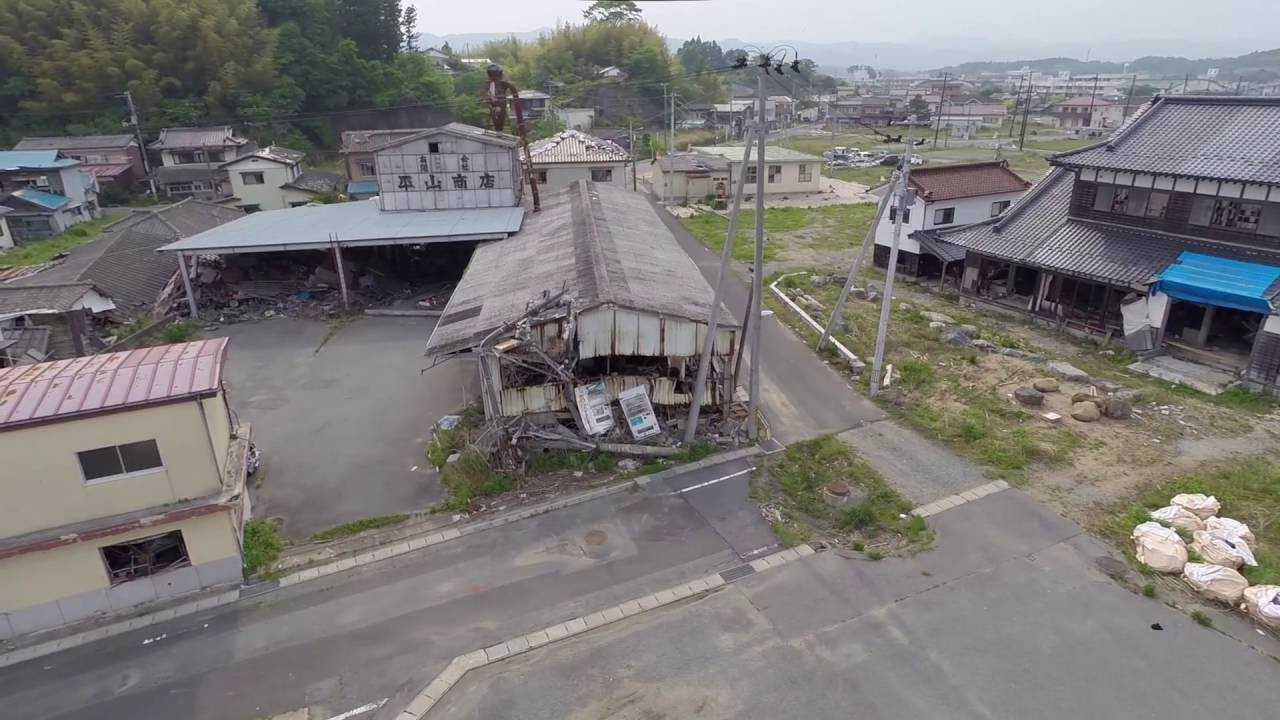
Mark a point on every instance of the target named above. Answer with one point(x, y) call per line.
point(342, 428)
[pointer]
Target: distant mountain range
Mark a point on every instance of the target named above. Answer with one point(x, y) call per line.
point(963, 56)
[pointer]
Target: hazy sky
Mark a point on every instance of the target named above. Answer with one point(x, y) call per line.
point(1238, 25)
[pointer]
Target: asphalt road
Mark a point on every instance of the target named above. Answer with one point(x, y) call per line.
point(377, 632)
point(1008, 618)
point(312, 391)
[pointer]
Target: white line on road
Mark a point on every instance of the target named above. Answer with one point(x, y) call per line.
point(719, 479)
point(360, 710)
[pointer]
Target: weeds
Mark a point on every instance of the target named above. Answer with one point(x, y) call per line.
point(261, 545)
point(915, 373)
point(549, 461)
point(355, 527)
point(468, 479)
point(1202, 618)
point(178, 331)
point(1149, 590)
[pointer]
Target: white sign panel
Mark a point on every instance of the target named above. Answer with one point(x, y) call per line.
point(639, 412)
point(593, 406)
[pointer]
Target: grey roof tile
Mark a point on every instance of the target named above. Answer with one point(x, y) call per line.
point(75, 142)
point(59, 297)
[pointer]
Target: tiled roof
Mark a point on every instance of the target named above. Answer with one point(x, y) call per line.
point(33, 160)
point(107, 171)
point(83, 386)
point(177, 138)
point(950, 182)
point(318, 181)
point(75, 142)
point(572, 146)
point(1224, 138)
point(40, 198)
point(274, 153)
point(599, 243)
point(1038, 232)
point(370, 140)
point(25, 298)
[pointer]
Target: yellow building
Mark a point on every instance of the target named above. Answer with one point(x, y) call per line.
point(122, 483)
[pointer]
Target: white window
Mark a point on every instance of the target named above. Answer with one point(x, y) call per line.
point(999, 207)
point(115, 461)
point(602, 174)
point(1231, 214)
point(775, 173)
point(806, 172)
point(252, 178)
point(944, 216)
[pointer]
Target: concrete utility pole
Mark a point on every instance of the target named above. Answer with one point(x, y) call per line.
point(671, 139)
point(1128, 101)
point(938, 120)
point(1026, 117)
point(757, 290)
point(858, 260)
point(904, 194)
point(631, 131)
point(713, 325)
point(142, 146)
point(1092, 96)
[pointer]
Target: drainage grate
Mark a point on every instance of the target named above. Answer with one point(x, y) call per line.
point(737, 573)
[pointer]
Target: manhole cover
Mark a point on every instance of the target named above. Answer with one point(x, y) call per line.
point(596, 537)
point(1111, 566)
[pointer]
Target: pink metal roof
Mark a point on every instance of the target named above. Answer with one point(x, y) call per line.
point(81, 386)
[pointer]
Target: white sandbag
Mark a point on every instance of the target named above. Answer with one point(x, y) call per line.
point(1215, 581)
point(1204, 506)
point(1221, 551)
point(1262, 602)
point(1178, 517)
point(1159, 548)
point(1230, 529)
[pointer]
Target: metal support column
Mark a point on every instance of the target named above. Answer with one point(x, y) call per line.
point(185, 272)
point(342, 276)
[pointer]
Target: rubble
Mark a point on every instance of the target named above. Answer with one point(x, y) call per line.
point(1029, 396)
point(1085, 412)
point(937, 317)
point(1068, 372)
point(1046, 385)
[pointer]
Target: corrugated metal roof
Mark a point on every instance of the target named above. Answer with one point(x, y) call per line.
point(1221, 282)
point(316, 227)
point(771, 153)
point(83, 386)
point(107, 171)
point(11, 160)
point(572, 146)
point(1038, 232)
point(24, 298)
point(75, 142)
point(40, 198)
point(1225, 138)
point(951, 182)
point(603, 245)
point(197, 137)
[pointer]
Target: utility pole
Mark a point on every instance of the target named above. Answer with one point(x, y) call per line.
point(1185, 79)
point(1017, 98)
point(938, 120)
point(1092, 95)
point(726, 254)
point(757, 290)
point(142, 146)
point(904, 193)
point(858, 260)
point(631, 132)
point(671, 137)
point(1128, 101)
point(1026, 117)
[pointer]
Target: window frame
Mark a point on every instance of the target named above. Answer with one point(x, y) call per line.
point(540, 176)
point(946, 212)
point(893, 215)
point(368, 165)
point(606, 172)
point(260, 177)
point(750, 172)
point(805, 172)
point(87, 482)
point(1004, 205)
point(773, 174)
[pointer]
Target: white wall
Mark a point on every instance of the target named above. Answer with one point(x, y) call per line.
point(789, 182)
point(968, 210)
point(559, 176)
point(406, 173)
point(268, 195)
point(6, 237)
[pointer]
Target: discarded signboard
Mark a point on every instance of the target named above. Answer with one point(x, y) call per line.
point(593, 406)
point(639, 412)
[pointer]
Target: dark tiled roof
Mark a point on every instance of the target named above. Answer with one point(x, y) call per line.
point(318, 181)
point(950, 182)
point(74, 142)
point(1038, 232)
point(176, 138)
point(60, 297)
point(1225, 138)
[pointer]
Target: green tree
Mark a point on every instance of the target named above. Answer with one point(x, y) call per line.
point(918, 107)
point(698, 55)
point(612, 12)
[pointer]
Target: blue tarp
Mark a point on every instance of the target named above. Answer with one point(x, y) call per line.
point(1217, 281)
point(362, 187)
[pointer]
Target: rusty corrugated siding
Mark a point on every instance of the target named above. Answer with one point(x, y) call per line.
point(550, 398)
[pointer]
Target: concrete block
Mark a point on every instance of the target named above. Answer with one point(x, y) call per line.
point(556, 632)
point(6, 630)
point(435, 538)
point(94, 635)
point(630, 607)
point(35, 617)
point(80, 606)
point(401, 548)
point(472, 660)
point(173, 583)
point(164, 615)
point(497, 652)
point(613, 614)
point(345, 563)
point(453, 672)
point(1002, 484)
point(517, 645)
point(698, 586)
point(420, 706)
point(649, 602)
point(576, 626)
point(417, 543)
point(804, 550)
point(20, 655)
point(759, 564)
point(969, 496)
point(680, 591)
point(438, 688)
point(451, 534)
point(665, 596)
point(365, 558)
point(132, 593)
point(290, 579)
point(713, 581)
point(222, 571)
point(537, 638)
point(595, 620)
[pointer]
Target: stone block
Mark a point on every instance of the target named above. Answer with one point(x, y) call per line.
point(219, 572)
point(130, 594)
point(80, 606)
point(176, 582)
point(34, 617)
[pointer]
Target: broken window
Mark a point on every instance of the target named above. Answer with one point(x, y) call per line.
point(107, 462)
point(775, 173)
point(145, 557)
point(367, 168)
point(602, 174)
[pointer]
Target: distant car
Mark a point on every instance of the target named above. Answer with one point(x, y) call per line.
point(890, 160)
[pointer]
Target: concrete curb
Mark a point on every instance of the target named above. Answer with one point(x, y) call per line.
point(853, 360)
point(951, 501)
point(462, 664)
point(256, 590)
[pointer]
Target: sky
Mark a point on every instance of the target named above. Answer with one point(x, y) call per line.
point(1229, 26)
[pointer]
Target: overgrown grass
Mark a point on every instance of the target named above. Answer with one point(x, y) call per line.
point(832, 227)
point(546, 462)
point(262, 545)
point(444, 443)
point(179, 331)
point(33, 252)
point(468, 479)
point(1202, 618)
point(354, 527)
point(692, 452)
point(1249, 491)
point(794, 483)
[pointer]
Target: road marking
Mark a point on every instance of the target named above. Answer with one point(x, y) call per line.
point(360, 710)
point(717, 480)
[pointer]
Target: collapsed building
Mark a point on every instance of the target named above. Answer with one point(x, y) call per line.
point(592, 301)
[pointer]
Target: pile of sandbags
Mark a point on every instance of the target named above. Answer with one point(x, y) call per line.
point(1215, 582)
point(1159, 547)
point(1203, 506)
point(1262, 602)
point(1178, 518)
point(1218, 550)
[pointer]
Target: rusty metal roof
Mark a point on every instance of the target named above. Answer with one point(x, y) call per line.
point(86, 386)
point(572, 146)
